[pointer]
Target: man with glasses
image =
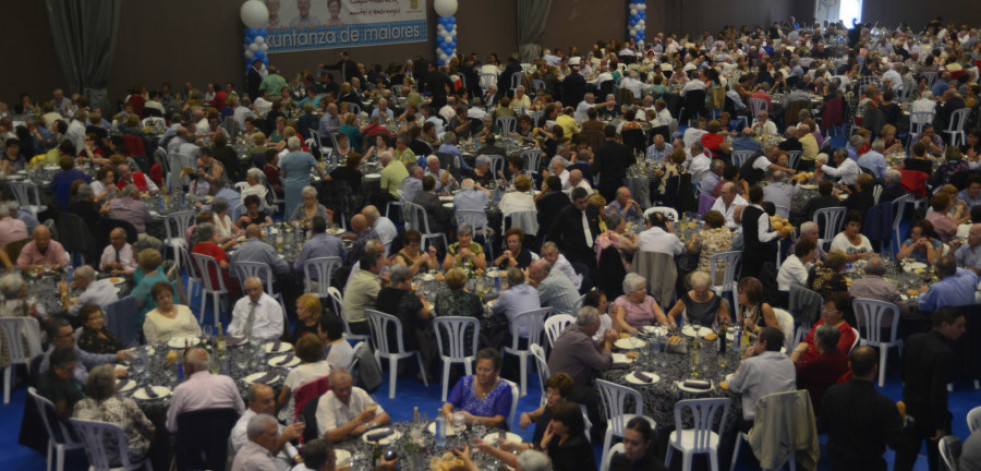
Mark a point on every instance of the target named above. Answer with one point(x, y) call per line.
point(61, 334)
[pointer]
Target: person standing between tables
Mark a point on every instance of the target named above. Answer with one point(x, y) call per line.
point(257, 315)
point(759, 238)
point(764, 371)
point(611, 162)
point(346, 410)
point(262, 400)
point(858, 420)
point(926, 370)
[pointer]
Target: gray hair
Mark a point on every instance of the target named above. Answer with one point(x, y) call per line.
point(613, 220)
point(717, 164)
point(779, 176)
point(700, 278)
point(481, 161)
point(204, 232)
point(398, 274)
point(12, 205)
point(515, 276)
point(560, 160)
point(11, 284)
point(587, 315)
point(856, 140)
point(129, 190)
point(85, 271)
point(467, 184)
point(220, 205)
point(336, 373)
point(632, 281)
point(101, 384)
point(386, 156)
point(878, 145)
point(826, 338)
point(84, 190)
point(309, 191)
point(807, 226)
point(198, 359)
point(875, 266)
point(534, 460)
point(464, 228)
point(254, 173)
point(293, 143)
point(893, 175)
point(258, 423)
point(431, 159)
point(450, 137)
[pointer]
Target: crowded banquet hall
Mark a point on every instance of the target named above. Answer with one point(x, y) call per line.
point(529, 235)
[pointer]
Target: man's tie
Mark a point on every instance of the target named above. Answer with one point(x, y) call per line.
point(117, 257)
point(588, 233)
point(247, 331)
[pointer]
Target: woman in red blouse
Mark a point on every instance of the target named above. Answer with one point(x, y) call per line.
point(208, 237)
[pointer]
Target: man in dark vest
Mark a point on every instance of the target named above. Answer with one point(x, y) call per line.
point(759, 238)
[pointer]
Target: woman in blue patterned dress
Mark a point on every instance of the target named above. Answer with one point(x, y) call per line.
point(483, 398)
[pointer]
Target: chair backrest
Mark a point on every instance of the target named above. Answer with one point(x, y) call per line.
point(497, 164)
point(506, 124)
point(554, 326)
point(243, 270)
point(475, 217)
point(309, 391)
point(320, 270)
point(379, 323)
point(957, 120)
point(121, 321)
point(455, 328)
point(786, 322)
point(834, 219)
point(15, 331)
point(703, 416)
point(793, 158)
point(858, 339)
point(614, 397)
point(728, 263)
point(535, 320)
point(541, 363)
point(917, 119)
point(974, 419)
point(950, 448)
point(757, 105)
point(416, 218)
point(527, 221)
point(670, 213)
point(26, 193)
point(103, 442)
point(872, 316)
point(930, 77)
point(739, 157)
point(515, 396)
point(177, 223)
point(210, 272)
point(202, 438)
point(532, 158)
point(336, 303)
point(46, 410)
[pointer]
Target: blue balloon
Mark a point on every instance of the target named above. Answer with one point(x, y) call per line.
point(451, 20)
point(441, 20)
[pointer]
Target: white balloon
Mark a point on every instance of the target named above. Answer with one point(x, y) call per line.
point(440, 29)
point(248, 54)
point(445, 7)
point(446, 35)
point(260, 40)
point(254, 14)
point(265, 46)
point(633, 8)
point(253, 47)
point(642, 6)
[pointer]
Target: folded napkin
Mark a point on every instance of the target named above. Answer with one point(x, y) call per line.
point(697, 384)
point(122, 384)
point(233, 341)
point(643, 377)
point(379, 434)
point(269, 376)
point(150, 392)
point(285, 361)
point(620, 365)
point(276, 345)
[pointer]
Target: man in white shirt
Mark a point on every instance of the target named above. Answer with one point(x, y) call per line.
point(202, 390)
point(763, 126)
point(257, 453)
point(382, 225)
point(699, 162)
point(550, 252)
point(847, 171)
point(256, 315)
point(694, 133)
point(98, 292)
point(764, 371)
point(589, 101)
point(577, 181)
point(658, 237)
point(346, 410)
point(117, 259)
point(558, 166)
point(727, 201)
point(262, 400)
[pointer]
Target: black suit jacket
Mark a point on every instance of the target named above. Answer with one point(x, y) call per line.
point(549, 206)
point(255, 78)
point(566, 231)
point(439, 216)
point(573, 89)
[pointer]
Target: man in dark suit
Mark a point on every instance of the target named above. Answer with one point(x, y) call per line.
point(504, 80)
point(611, 162)
point(926, 369)
point(255, 78)
point(592, 130)
point(575, 228)
point(437, 82)
point(550, 202)
point(573, 87)
point(491, 97)
point(347, 67)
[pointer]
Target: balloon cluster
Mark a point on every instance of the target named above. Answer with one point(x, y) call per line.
point(637, 19)
point(445, 39)
point(255, 46)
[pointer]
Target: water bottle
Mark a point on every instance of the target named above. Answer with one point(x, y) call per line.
point(71, 273)
point(737, 335)
point(656, 344)
point(441, 431)
point(180, 371)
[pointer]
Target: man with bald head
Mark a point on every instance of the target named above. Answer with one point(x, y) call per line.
point(257, 315)
point(202, 390)
point(745, 142)
point(555, 290)
point(42, 251)
point(727, 202)
point(382, 225)
point(117, 259)
point(262, 400)
point(969, 255)
point(257, 251)
point(624, 205)
point(659, 150)
point(577, 181)
point(363, 233)
point(126, 176)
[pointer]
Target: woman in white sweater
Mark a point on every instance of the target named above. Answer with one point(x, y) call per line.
point(168, 320)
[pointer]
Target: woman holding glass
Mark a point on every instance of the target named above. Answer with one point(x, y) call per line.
point(410, 255)
point(310, 208)
point(483, 398)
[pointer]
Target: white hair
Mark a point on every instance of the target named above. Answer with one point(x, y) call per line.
point(587, 315)
point(258, 423)
point(467, 184)
point(533, 460)
point(700, 279)
point(293, 143)
point(309, 191)
point(632, 281)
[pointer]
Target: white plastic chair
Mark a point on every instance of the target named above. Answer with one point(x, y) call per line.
point(535, 320)
point(869, 315)
point(702, 438)
point(46, 410)
point(241, 186)
point(27, 196)
point(514, 402)
point(506, 124)
point(542, 363)
point(898, 208)
point(416, 218)
point(554, 326)
point(336, 300)
point(497, 164)
point(786, 322)
point(379, 322)
point(16, 332)
point(730, 268)
point(176, 225)
point(457, 350)
point(321, 268)
point(956, 126)
point(608, 459)
point(100, 437)
point(206, 265)
point(834, 218)
point(974, 419)
point(670, 213)
point(757, 105)
point(858, 339)
point(614, 397)
point(946, 452)
point(739, 157)
point(532, 159)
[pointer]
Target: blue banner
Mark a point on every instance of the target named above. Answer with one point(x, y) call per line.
point(297, 25)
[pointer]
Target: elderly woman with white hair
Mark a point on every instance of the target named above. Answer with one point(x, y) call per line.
point(103, 405)
point(296, 166)
point(304, 213)
point(14, 290)
point(255, 178)
point(465, 252)
point(640, 308)
point(482, 173)
point(699, 305)
point(222, 221)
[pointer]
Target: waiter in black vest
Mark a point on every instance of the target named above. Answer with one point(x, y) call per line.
point(760, 240)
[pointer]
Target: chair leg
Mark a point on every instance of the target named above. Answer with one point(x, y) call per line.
point(667, 459)
point(714, 459)
point(524, 373)
point(446, 376)
point(735, 451)
point(422, 370)
point(393, 368)
point(204, 301)
point(60, 458)
point(8, 379)
point(686, 461)
point(50, 452)
point(884, 351)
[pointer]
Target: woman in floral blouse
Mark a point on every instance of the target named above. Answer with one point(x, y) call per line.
point(103, 405)
point(827, 279)
point(96, 338)
point(672, 168)
point(715, 238)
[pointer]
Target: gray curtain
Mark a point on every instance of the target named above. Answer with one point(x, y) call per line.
point(532, 15)
point(85, 34)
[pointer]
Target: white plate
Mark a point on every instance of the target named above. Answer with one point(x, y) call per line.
point(632, 380)
point(275, 361)
point(427, 277)
point(335, 230)
point(447, 205)
point(450, 430)
point(491, 438)
point(254, 376)
point(383, 442)
point(129, 386)
point(283, 347)
point(162, 392)
point(182, 342)
point(629, 343)
point(655, 329)
point(689, 331)
point(809, 187)
point(342, 457)
point(373, 175)
point(914, 265)
point(681, 386)
point(446, 198)
point(622, 358)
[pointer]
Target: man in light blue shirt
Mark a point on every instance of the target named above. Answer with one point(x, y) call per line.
point(874, 161)
point(955, 288)
point(329, 122)
point(746, 142)
point(320, 244)
point(471, 199)
point(554, 288)
point(517, 299)
point(972, 194)
point(256, 251)
point(854, 143)
point(968, 256)
point(659, 150)
point(412, 186)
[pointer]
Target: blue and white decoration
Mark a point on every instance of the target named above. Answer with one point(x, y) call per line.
point(637, 20)
point(255, 46)
point(445, 30)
